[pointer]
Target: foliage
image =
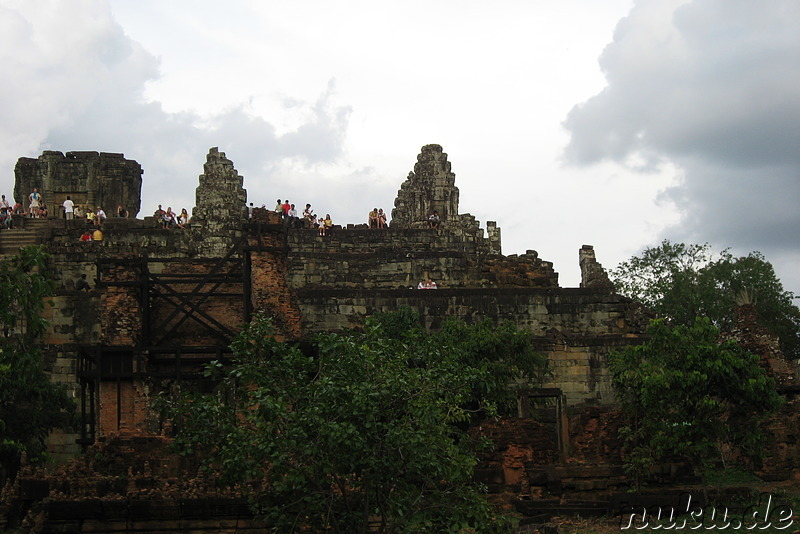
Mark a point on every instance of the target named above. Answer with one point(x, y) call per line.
point(364, 431)
point(681, 282)
point(501, 349)
point(30, 405)
point(686, 394)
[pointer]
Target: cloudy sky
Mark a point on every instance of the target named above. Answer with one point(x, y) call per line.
point(616, 123)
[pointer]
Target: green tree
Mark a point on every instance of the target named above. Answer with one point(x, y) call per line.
point(686, 394)
point(503, 351)
point(681, 282)
point(364, 431)
point(30, 405)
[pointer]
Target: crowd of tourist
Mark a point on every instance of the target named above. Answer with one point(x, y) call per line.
point(427, 284)
point(376, 219)
point(308, 219)
point(170, 219)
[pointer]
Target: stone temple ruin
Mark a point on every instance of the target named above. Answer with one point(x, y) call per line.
point(167, 301)
point(92, 179)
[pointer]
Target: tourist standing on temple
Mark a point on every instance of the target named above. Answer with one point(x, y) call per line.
point(69, 208)
point(35, 199)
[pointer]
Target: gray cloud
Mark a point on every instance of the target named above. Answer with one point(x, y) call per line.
point(85, 91)
point(709, 85)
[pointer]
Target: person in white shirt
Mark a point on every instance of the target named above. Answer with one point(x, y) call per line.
point(69, 208)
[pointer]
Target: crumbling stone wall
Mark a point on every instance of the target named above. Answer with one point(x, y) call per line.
point(90, 178)
point(271, 292)
point(592, 273)
point(401, 258)
point(220, 203)
point(575, 328)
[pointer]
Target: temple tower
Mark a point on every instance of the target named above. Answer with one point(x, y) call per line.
point(220, 203)
point(430, 186)
point(91, 179)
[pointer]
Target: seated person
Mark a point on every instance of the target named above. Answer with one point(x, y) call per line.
point(169, 218)
point(81, 284)
point(434, 221)
point(87, 236)
point(373, 218)
point(183, 218)
point(381, 219)
point(308, 215)
point(294, 221)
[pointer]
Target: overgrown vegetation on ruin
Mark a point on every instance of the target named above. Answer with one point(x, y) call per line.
point(366, 432)
point(30, 405)
point(686, 394)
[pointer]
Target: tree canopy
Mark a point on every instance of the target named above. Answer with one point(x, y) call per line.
point(363, 432)
point(687, 394)
point(681, 282)
point(30, 404)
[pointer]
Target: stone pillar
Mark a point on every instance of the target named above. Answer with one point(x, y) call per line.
point(221, 204)
point(493, 233)
point(592, 273)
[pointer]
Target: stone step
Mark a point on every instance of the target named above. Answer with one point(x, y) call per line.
point(13, 240)
point(33, 224)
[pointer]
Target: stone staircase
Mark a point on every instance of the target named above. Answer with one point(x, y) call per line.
point(26, 232)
